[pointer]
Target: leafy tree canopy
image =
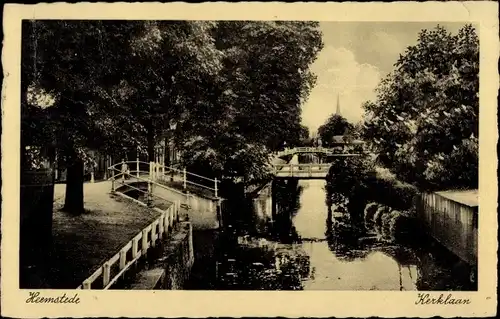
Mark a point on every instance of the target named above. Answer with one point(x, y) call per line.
point(424, 122)
point(107, 85)
point(335, 125)
point(254, 105)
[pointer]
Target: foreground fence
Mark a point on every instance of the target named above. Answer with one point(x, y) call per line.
point(113, 269)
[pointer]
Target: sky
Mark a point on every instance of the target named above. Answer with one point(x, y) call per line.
point(355, 58)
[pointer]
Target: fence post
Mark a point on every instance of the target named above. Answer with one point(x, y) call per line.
point(144, 246)
point(149, 200)
point(86, 284)
point(161, 226)
point(105, 274)
point(191, 249)
point(92, 180)
point(123, 259)
point(153, 235)
point(171, 213)
point(178, 209)
point(135, 247)
point(216, 187)
point(184, 178)
point(151, 170)
point(155, 170)
point(167, 220)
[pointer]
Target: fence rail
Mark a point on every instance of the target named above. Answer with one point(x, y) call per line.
point(301, 166)
point(326, 150)
point(158, 172)
point(162, 172)
point(135, 248)
point(301, 170)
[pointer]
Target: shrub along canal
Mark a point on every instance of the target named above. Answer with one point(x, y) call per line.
point(300, 245)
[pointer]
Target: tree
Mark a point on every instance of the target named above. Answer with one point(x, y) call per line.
point(305, 138)
point(68, 63)
point(335, 125)
point(267, 76)
point(114, 84)
point(253, 106)
point(170, 75)
point(424, 122)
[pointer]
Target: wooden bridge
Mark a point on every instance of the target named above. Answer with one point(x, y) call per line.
point(163, 176)
point(311, 171)
point(302, 171)
point(319, 150)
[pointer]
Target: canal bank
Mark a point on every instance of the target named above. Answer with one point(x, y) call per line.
point(286, 239)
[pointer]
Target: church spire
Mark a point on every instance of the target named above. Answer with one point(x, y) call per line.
point(338, 105)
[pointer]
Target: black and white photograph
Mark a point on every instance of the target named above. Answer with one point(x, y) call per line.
point(250, 155)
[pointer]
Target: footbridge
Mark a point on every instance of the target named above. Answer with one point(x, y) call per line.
point(308, 171)
point(159, 185)
point(319, 150)
point(167, 177)
point(302, 171)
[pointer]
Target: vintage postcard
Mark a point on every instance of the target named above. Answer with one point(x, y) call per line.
point(249, 159)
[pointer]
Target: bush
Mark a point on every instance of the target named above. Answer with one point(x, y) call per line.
point(392, 193)
point(370, 211)
point(361, 182)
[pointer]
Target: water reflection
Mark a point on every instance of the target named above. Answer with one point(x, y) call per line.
point(293, 241)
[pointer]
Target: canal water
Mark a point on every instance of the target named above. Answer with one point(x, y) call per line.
point(287, 239)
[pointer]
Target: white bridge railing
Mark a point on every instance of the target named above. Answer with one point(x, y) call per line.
point(157, 172)
point(328, 151)
point(301, 170)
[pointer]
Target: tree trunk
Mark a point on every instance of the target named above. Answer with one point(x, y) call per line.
point(167, 155)
point(151, 145)
point(74, 187)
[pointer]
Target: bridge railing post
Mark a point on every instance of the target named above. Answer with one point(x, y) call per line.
point(112, 180)
point(155, 171)
point(216, 187)
point(184, 178)
point(137, 163)
point(123, 171)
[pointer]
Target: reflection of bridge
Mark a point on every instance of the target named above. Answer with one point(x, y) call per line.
point(318, 150)
point(303, 171)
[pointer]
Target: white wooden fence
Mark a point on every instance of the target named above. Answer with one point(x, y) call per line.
point(148, 237)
